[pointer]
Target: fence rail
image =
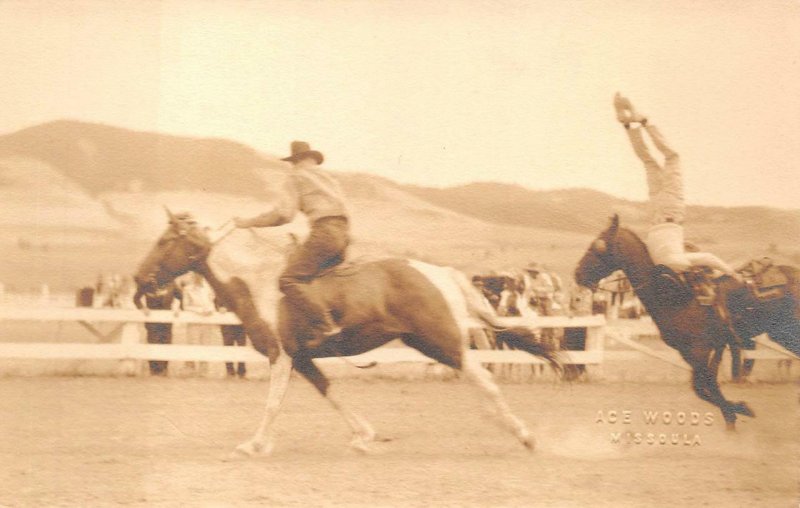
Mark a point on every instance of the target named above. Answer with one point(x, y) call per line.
point(132, 345)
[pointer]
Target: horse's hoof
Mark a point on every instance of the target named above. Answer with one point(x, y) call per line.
point(743, 409)
point(249, 450)
point(237, 455)
point(529, 443)
point(360, 445)
point(730, 426)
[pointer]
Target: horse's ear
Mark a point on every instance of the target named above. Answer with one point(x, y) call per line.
point(170, 215)
point(612, 229)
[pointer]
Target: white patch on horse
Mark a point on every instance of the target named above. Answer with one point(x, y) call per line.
point(443, 280)
point(456, 291)
point(257, 256)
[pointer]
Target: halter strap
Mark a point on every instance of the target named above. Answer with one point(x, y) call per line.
point(631, 290)
point(227, 228)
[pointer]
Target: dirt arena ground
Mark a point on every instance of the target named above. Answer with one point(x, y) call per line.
point(99, 441)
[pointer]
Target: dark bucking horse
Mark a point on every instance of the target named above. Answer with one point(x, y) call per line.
point(696, 331)
point(426, 306)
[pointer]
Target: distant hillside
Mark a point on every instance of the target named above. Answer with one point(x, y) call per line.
point(101, 158)
point(587, 211)
point(68, 189)
point(97, 159)
point(579, 210)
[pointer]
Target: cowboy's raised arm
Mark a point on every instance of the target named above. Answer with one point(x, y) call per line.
point(708, 259)
point(283, 209)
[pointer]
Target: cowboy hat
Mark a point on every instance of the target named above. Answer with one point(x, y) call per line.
point(301, 150)
point(533, 266)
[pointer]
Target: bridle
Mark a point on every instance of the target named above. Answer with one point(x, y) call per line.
point(631, 289)
point(192, 234)
point(603, 249)
point(186, 228)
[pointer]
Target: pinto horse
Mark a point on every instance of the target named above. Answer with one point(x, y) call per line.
point(696, 331)
point(428, 307)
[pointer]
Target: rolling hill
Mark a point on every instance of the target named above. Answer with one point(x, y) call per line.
point(68, 188)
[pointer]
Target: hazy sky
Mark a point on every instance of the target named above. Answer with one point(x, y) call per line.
point(435, 93)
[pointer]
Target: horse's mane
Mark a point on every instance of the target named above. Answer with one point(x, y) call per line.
point(636, 239)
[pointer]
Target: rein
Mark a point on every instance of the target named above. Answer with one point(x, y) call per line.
point(632, 289)
point(224, 235)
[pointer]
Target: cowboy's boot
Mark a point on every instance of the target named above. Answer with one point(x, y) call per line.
point(322, 331)
point(323, 326)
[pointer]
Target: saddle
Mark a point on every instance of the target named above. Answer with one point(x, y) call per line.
point(765, 281)
point(698, 284)
point(678, 289)
point(349, 267)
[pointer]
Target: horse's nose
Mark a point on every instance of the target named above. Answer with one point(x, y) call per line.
point(145, 280)
point(581, 279)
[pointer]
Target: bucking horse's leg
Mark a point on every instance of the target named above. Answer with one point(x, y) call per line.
point(706, 386)
point(262, 442)
point(362, 430)
point(736, 407)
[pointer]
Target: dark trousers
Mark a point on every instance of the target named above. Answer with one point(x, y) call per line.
point(158, 333)
point(234, 334)
point(574, 340)
point(324, 248)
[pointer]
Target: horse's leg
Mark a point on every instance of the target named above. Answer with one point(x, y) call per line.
point(362, 430)
point(729, 409)
point(706, 386)
point(701, 385)
point(736, 363)
point(478, 374)
point(279, 374)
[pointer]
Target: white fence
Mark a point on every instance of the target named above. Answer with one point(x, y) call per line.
point(132, 345)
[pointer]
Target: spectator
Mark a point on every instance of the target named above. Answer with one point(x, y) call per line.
point(198, 298)
point(580, 301)
point(100, 291)
point(539, 289)
point(558, 293)
point(580, 304)
point(161, 298)
point(232, 335)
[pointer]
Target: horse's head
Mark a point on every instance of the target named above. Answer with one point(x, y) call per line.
point(183, 247)
point(600, 261)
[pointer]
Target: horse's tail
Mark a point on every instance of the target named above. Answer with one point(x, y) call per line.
point(517, 337)
point(527, 340)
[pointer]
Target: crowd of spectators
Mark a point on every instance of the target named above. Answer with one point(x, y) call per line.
point(189, 293)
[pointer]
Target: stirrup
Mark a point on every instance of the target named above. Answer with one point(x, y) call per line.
point(321, 337)
point(708, 296)
point(334, 330)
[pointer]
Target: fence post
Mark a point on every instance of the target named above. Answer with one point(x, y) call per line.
point(131, 336)
point(595, 341)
